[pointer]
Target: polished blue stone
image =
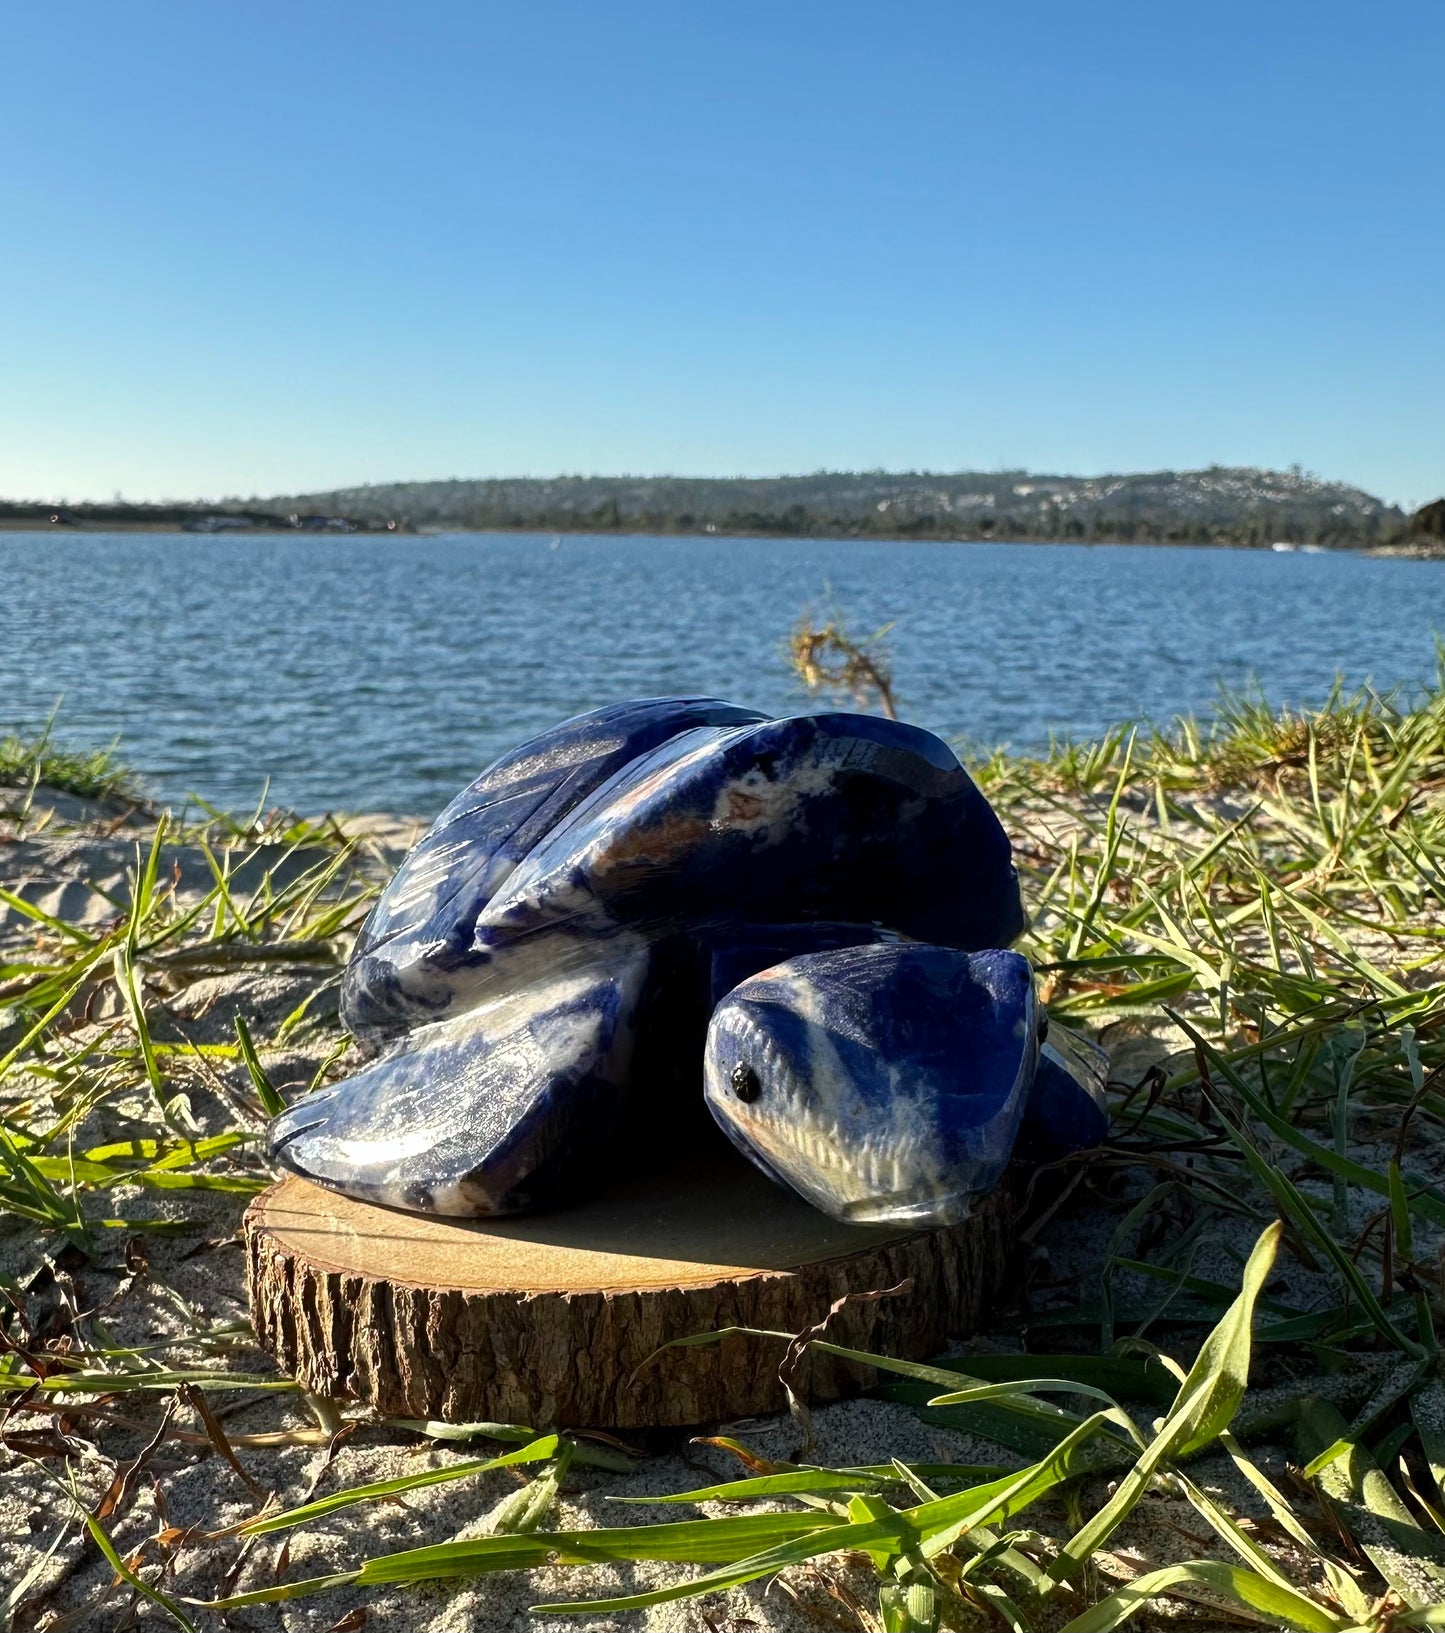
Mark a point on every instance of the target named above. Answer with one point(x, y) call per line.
point(1067, 1109)
point(832, 817)
point(539, 975)
point(406, 961)
point(493, 1111)
point(885, 1084)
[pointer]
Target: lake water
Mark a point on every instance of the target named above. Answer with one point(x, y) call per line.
point(368, 673)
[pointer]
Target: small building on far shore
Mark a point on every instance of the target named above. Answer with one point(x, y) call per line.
point(322, 524)
point(216, 524)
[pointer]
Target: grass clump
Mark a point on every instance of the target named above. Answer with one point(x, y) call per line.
point(39, 761)
point(1250, 911)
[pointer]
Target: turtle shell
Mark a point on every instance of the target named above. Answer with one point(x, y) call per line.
point(420, 931)
point(832, 818)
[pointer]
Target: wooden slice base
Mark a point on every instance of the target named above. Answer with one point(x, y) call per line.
point(551, 1320)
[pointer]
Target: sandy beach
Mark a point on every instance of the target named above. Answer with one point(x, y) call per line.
point(157, 1285)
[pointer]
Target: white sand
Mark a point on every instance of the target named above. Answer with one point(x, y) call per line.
point(74, 867)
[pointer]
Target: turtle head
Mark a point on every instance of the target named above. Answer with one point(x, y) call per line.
point(884, 1084)
point(773, 1085)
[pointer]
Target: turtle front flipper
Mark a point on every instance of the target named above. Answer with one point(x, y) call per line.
point(494, 1111)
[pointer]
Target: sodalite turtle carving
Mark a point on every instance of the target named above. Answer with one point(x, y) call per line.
point(675, 902)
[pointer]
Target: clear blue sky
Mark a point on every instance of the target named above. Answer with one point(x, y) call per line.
point(268, 247)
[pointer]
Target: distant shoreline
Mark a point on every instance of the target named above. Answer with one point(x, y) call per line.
point(1242, 506)
point(1403, 549)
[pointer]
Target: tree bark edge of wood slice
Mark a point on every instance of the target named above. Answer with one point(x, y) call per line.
point(556, 1320)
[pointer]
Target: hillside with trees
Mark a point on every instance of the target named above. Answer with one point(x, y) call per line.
point(1223, 504)
point(1237, 505)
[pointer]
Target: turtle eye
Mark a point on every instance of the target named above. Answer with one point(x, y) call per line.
point(745, 1083)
